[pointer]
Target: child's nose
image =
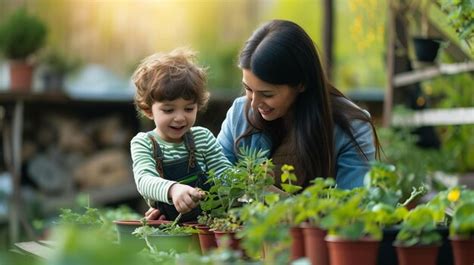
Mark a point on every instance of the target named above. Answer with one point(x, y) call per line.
point(179, 117)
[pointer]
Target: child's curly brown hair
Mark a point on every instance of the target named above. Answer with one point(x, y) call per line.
point(169, 76)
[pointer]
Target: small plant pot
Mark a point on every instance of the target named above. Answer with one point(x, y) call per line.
point(426, 49)
point(348, 252)
point(125, 229)
point(315, 247)
point(297, 243)
point(426, 255)
point(207, 239)
point(463, 250)
point(21, 75)
point(180, 243)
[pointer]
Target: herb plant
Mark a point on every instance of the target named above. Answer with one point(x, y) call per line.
point(418, 228)
point(462, 202)
point(91, 216)
point(350, 220)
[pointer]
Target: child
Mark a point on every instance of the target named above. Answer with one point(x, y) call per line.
point(173, 159)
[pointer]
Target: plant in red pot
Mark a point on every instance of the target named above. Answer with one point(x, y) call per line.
point(461, 229)
point(318, 200)
point(248, 181)
point(21, 35)
point(353, 232)
point(418, 241)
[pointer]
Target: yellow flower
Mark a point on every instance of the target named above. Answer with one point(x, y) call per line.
point(453, 196)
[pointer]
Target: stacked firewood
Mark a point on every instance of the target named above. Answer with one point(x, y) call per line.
point(67, 152)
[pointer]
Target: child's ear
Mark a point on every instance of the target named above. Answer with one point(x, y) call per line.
point(148, 114)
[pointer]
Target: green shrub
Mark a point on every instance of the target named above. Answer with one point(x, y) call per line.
point(21, 35)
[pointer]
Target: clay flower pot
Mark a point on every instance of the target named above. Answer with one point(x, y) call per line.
point(315, 247)
point(21, 75)
point(207, 239)
point(425, 255)
point(347, 252)
point(463, 250)
point(297, 243)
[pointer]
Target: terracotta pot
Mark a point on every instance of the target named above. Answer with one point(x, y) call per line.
point(315, 247)
point(21, 75)
point(463, 250)
point(420, 255)
point(193, 224)
point(297, 249)
point(349, 252)
point(207, 239)
point(234, 243)
point(387, 254)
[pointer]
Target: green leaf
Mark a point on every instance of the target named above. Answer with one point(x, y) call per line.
point(290, 188)
point(284, 176)
point(271, 198)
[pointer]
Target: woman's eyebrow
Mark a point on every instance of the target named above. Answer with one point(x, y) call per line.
point(259, 91)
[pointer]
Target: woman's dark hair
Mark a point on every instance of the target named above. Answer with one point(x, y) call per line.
point(281, 52)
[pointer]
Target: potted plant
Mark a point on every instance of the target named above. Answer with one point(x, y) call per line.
point(418, 240)
point(21, 35)
point(246, 182)
point(57, 66)
point(426, 47)
point(294, 205)
point(206, 237)
point(168, 237)
point(461, 228)
point(225, 230)
point(318, 200)
point(125, 228)
point(265, 236)
point(353, 233)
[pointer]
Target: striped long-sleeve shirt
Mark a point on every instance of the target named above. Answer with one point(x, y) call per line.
point(149, 183)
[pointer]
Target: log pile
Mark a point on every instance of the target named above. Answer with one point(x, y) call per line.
point(66, 153)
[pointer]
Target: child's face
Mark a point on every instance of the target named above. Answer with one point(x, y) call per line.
point(173, 118)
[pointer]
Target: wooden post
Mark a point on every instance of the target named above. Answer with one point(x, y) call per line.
point(328, 36)
point(388, 99)
point(15, 170)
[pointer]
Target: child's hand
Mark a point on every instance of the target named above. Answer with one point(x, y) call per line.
point(184, 197)
point(154, 214)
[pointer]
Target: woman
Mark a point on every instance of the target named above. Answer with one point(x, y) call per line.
point(290, 109)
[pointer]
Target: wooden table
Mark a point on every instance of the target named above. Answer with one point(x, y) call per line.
point(41, 249)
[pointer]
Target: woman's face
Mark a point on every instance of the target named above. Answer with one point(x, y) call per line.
point(271, 101)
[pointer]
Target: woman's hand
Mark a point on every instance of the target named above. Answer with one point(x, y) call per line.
point(184, 197)
point(154, 214)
